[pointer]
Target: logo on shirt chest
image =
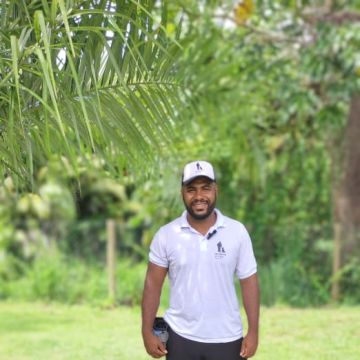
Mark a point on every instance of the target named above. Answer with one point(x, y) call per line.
point(220, 253)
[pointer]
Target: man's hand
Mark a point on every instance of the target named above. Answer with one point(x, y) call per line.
point(150, 303)
point(249, 345)
point(154, 346)
point(251, 301)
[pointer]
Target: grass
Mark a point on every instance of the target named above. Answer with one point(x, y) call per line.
point(35, 331)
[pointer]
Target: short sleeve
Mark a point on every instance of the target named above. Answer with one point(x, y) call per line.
point(158, 253)
point(246, 264)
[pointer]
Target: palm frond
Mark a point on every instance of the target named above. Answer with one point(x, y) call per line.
point(84, 77)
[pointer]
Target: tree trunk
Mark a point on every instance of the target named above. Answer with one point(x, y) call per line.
point(347, 199)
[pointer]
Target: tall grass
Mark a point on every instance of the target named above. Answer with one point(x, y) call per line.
point(70, 280)
point(287, 282)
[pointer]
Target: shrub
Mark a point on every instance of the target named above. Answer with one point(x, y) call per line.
point(70, 280)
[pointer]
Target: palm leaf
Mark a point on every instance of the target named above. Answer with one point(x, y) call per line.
point(85, 78)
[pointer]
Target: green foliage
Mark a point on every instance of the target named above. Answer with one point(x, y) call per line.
point(130, 281)
point(32, 222)
point(84, 77)
point(350, 277)
point(54, 278)
point(101, 106)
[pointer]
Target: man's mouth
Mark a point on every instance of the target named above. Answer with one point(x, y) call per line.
point(199, 206)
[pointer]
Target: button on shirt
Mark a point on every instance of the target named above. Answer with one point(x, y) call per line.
point(201, 269)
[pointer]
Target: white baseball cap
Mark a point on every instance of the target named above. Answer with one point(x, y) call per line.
point(197, 168)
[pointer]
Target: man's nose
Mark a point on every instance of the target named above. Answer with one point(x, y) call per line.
point(198, 194)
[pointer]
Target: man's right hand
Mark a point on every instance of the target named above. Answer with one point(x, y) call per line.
point(154, 346)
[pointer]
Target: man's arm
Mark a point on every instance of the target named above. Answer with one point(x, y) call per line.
point(251, 301)
point(150, 303)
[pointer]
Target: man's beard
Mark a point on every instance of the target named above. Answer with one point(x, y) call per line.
point(210, 209)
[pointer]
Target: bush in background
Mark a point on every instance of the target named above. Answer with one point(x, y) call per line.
point(70, 280)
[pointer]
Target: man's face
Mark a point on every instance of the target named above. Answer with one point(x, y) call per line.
point(199, 197)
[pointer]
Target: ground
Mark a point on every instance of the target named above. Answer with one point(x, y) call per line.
point(36, 331)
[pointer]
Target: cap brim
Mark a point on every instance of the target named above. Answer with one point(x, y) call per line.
point(188, 181)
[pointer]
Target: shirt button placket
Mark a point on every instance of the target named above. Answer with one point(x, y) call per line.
point(203, 244)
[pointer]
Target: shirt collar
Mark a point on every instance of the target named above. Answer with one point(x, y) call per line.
point(220, 220)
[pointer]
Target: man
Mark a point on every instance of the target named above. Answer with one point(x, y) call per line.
point(201, 252)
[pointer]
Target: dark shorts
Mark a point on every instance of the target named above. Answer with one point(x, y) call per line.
point(180, 348)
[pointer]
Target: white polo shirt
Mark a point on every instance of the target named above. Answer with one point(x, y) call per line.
point(203, 302)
